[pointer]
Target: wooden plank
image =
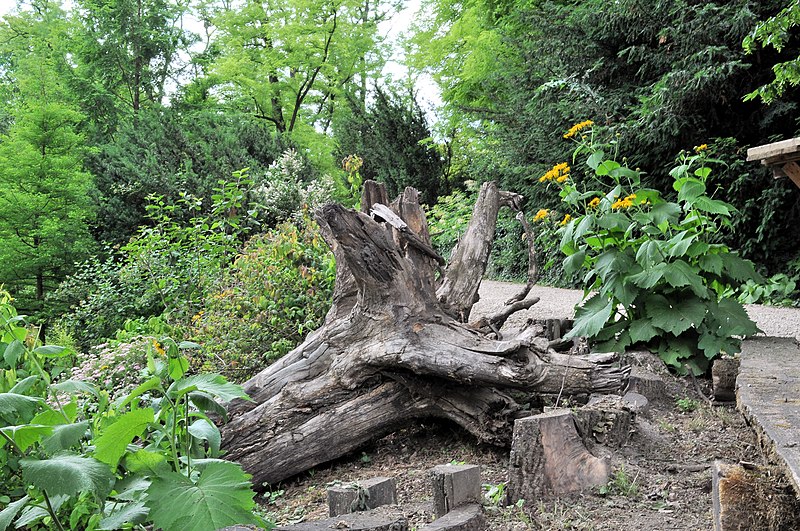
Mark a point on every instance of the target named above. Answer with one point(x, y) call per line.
point(775, 149)
point(792, 169)
point(780, 160)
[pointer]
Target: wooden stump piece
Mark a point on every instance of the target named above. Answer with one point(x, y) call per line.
point(723, 378)
point(465, 518)
point(454, 486)
point(361, 495)
point(548, 458)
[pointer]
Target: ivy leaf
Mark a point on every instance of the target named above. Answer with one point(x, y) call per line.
point(213, 384)
point(674, 316)
point(591, 317)
point(68, 475)
point(114, 440)
point(221, 497)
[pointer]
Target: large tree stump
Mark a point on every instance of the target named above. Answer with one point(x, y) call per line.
point(394, 347)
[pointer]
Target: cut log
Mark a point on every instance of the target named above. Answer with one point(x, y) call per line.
point(393, 348)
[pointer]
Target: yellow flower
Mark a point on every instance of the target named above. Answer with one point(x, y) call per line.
point(566, 219)
point(558, 173)
point(700, 148)
point(543, 212)
point(578, 127)
point(627, 202)
point(594, 202)
point(158, 348)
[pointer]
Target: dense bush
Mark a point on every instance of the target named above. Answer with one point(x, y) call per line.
point(660, 274)
point(278, 290)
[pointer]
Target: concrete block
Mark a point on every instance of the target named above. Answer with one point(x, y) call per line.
point(361, 495)
point(465, 518)
point(455, 485)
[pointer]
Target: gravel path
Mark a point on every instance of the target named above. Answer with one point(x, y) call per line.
point(560, 303)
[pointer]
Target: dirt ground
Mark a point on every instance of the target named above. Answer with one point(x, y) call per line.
point(662, 478)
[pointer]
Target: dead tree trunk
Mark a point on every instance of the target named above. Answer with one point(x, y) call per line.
point(393, 347)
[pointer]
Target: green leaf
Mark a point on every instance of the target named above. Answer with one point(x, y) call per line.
point(649, 254)
point(178, 367)
point(574, 262)
point(188, 345)
point(606, 167)
point(13, 351)
point(114, 440)
point(591, 317)
point(712, 263)
point(595, 159)
point(124, 513)
point(665, 212)
point(68, 475)
point(65, 436)
point(75, 386)
point(52, 351)
point(679, 274)
point(679, 244)
point(204, 430)
point(8, 514)
point(206, 404)
point(213, 384)
point(147, 462)
point(703, 173)
point(712, 345)
point(25, 435)
point(649, 277)
point(675, 351)
point(14, 407)
point(148, 385)
point(739, 269)
point(24, 385)
point(221, 497)
point(674, 316)
point(712, 206)
point(733, 319)
point(614, 221)
point(642, 330)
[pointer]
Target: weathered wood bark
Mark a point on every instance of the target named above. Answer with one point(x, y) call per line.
point(393, 347)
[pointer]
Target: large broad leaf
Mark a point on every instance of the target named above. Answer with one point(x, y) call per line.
point(574, 262)
point(52, 351)
point(68, 474)
point(27, 434)
point(65, 436)
point(16, 408)
point(675, 352)
point(13, 351)
point(713, 345)
point(689, 188)
point(143, 388)
point(10, 512)
point(665, 212)
point(213, 384)
point(591, 317)
point(711, 262)
point(221, 497)
point(739, 269)
point(679, 244)
point(642, 330)
point(674, 316)
point(650, 253)
point(114, 440)
point(147, 463)
point(75, 386)
point(24, 385)
point(123, 513)
point(649, 277)
point(733, 319)
point(204, 430)
point(207, 404)
point(679, 274)
point(712, 206)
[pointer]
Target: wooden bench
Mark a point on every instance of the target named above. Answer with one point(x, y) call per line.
point(782, 157)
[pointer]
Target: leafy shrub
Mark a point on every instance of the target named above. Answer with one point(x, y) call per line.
point(778, 290)
point(278, 290)
point(150, 457)
point(659, 273)
point(284, 194)
point(448, 219)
